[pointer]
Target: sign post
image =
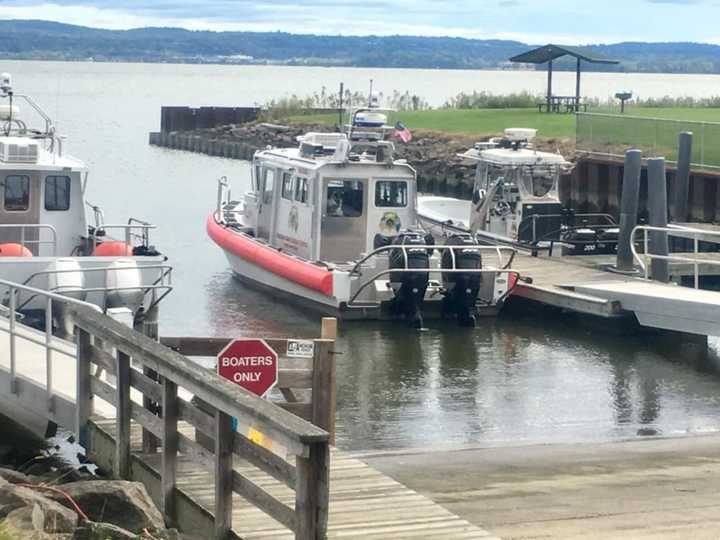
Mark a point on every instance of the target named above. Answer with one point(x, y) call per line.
point(249, 363)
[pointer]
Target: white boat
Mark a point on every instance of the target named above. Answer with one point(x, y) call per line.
point(333, 224)
point(46, 241)
point(515, 201)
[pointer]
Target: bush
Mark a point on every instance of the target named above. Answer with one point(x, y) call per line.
point(486, 100)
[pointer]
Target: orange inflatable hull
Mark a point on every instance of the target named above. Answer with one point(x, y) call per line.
point(300, 272)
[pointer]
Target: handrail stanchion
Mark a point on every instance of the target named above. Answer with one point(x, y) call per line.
point(13, 367)
point(48, 353)
point(695, 264)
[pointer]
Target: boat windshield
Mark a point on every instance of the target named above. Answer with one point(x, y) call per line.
point(537, 182)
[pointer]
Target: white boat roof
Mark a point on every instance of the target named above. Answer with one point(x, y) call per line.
point(46, 161)
point(521, 156)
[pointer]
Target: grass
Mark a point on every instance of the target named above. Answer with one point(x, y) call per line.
point(484, 122)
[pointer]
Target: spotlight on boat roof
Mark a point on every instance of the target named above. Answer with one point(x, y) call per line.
point(5, 84)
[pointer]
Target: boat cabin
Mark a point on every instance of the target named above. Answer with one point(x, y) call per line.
point(515, 196)
point(329, 199)
point(41, 199)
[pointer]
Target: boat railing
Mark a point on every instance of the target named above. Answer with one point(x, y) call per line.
point(24, 228)
point(48, 341)
point(158, 289)
point(22, 129)
point(135, 232)
point(502, 268)
point(689, 233)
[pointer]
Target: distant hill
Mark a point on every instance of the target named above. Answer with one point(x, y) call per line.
point(55, 41)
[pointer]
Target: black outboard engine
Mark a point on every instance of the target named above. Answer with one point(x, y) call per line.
point(462, 288)
point(409, 287)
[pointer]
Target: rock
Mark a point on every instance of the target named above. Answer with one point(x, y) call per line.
point(56, 518)
point(15, 477)
point(119, 502)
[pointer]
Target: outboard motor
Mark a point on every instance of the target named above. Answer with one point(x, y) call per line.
point(462, 288)
point(409, 287)
point(608, 240)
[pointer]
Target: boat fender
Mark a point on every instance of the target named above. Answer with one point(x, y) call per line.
point(14, 250)
point(114, 248)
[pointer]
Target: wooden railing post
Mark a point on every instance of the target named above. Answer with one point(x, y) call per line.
point(149, 327)
point(84, 406)
point(169, 450)
point(122, 416)
point(328, 328)
point(312, 493)
point(223, 474)
point(324, 387)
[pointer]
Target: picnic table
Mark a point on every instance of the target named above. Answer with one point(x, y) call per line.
point(565, 104)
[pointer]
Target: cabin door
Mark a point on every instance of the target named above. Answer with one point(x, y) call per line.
point(344, 219)
point(20, 205)
point(266, 196)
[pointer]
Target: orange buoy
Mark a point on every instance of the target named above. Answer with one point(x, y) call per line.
point(14, 250)
point(114, 248)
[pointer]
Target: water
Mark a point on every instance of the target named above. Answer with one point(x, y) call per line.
point(512, 381)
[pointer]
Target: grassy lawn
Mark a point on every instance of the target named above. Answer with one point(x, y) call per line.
point(494, 121)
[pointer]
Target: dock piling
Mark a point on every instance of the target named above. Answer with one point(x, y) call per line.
point(657, 210)
point(628, 208)
point(682, 178)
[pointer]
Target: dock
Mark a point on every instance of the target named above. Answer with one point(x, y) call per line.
point(218, 461)
point(584, 285)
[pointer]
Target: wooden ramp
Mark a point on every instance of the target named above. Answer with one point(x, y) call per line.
point(364, 503)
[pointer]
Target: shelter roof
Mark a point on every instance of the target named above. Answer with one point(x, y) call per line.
point(551, 52)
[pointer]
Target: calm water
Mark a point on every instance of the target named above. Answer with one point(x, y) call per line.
point(510, 381)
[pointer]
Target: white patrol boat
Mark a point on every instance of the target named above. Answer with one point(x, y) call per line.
point(515, 201)
point(46, 241)
point(333, 223)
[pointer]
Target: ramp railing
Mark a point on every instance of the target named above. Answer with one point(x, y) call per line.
point(223, 404)
point(691, 234)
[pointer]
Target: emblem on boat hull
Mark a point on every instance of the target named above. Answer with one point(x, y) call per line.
point(390, 223)
point(293, 219)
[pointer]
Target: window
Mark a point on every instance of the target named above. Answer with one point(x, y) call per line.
point(345, 198)
point(287, 186)
point(391, 193)
point(57, 193)
point(268, 186)
point(301, 190)
point(17, 193)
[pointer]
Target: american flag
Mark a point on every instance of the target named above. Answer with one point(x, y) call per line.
point(402, 133)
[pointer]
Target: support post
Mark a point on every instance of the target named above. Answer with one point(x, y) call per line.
point(84, 406)
point(628, 209)
point(324, 385)
point(682, 178)
point(549, 86)
point(149, 326)
point(340, 105)
point(577, 86)
point(328, 329)
point(657, 210)
point(312, 493)
point(169, 451)
point(122, 416)
point(223, 474)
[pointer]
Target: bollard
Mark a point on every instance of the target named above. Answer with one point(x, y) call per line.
point(657, 210)
point(628, 208)
point(682, 178)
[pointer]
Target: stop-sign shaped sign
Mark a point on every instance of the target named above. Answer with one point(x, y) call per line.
point(251, 363)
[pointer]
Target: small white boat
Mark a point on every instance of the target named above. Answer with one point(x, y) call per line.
point(46, 241)
point(333, 224)
point(515, 202)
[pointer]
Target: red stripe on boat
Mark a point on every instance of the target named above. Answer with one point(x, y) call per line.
point(305, 274)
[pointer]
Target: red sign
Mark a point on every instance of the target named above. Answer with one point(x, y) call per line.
point(251, 363)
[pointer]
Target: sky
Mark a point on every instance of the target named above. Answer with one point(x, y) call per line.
point(530, 21)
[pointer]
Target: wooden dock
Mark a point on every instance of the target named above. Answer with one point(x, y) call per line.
point(364, 503)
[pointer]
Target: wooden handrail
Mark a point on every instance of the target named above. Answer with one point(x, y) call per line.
point(223, 401)
point(219, 393)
